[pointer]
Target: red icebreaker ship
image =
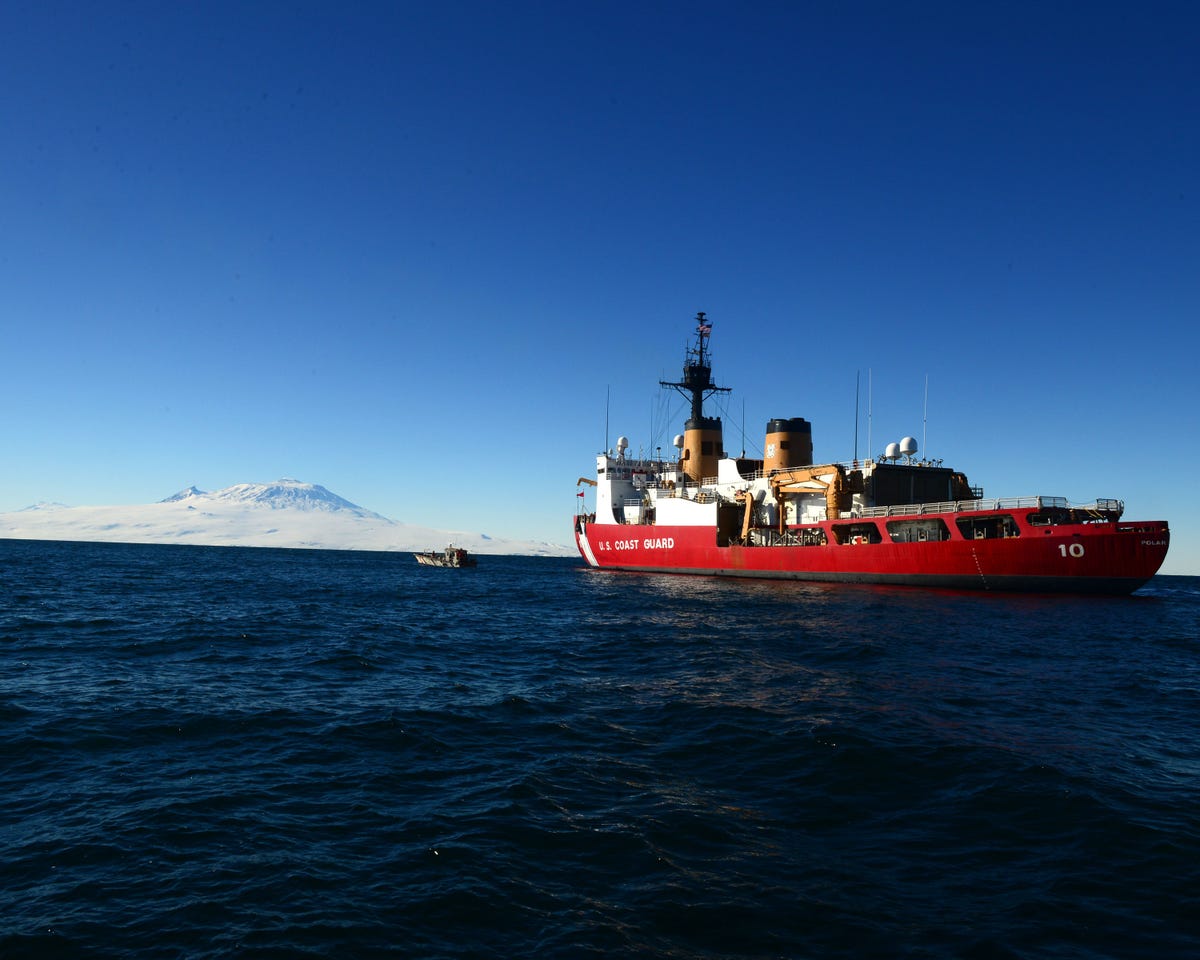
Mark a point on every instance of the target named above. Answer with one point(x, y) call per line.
point(896, 520)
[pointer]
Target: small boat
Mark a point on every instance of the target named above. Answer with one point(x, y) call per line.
point(452, 556)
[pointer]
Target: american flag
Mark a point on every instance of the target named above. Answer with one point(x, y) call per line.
point(705, 328)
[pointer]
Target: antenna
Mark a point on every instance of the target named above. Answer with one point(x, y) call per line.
point(607, 397)
point(857, 379)
point(925, 418)
point(869, 447)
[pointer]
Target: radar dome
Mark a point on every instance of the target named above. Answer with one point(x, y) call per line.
point(908, 446)
point(679, 440)
point(622, 443)
point(892, 452)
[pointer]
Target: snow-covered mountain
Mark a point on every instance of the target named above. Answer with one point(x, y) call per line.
point(280, 495)
point(286, 513)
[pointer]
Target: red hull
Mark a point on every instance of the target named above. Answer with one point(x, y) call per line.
point(1112, 557)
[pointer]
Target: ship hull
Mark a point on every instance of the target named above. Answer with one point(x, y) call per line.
point(1096, 558)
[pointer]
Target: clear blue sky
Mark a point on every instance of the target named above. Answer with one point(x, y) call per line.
point(405, 250)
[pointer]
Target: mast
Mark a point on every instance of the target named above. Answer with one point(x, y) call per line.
point(702, 440)
point(697, 383)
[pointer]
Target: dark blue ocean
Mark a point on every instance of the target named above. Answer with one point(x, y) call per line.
point(216, 752)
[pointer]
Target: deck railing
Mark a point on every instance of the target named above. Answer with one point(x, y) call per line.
point(992, 504)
